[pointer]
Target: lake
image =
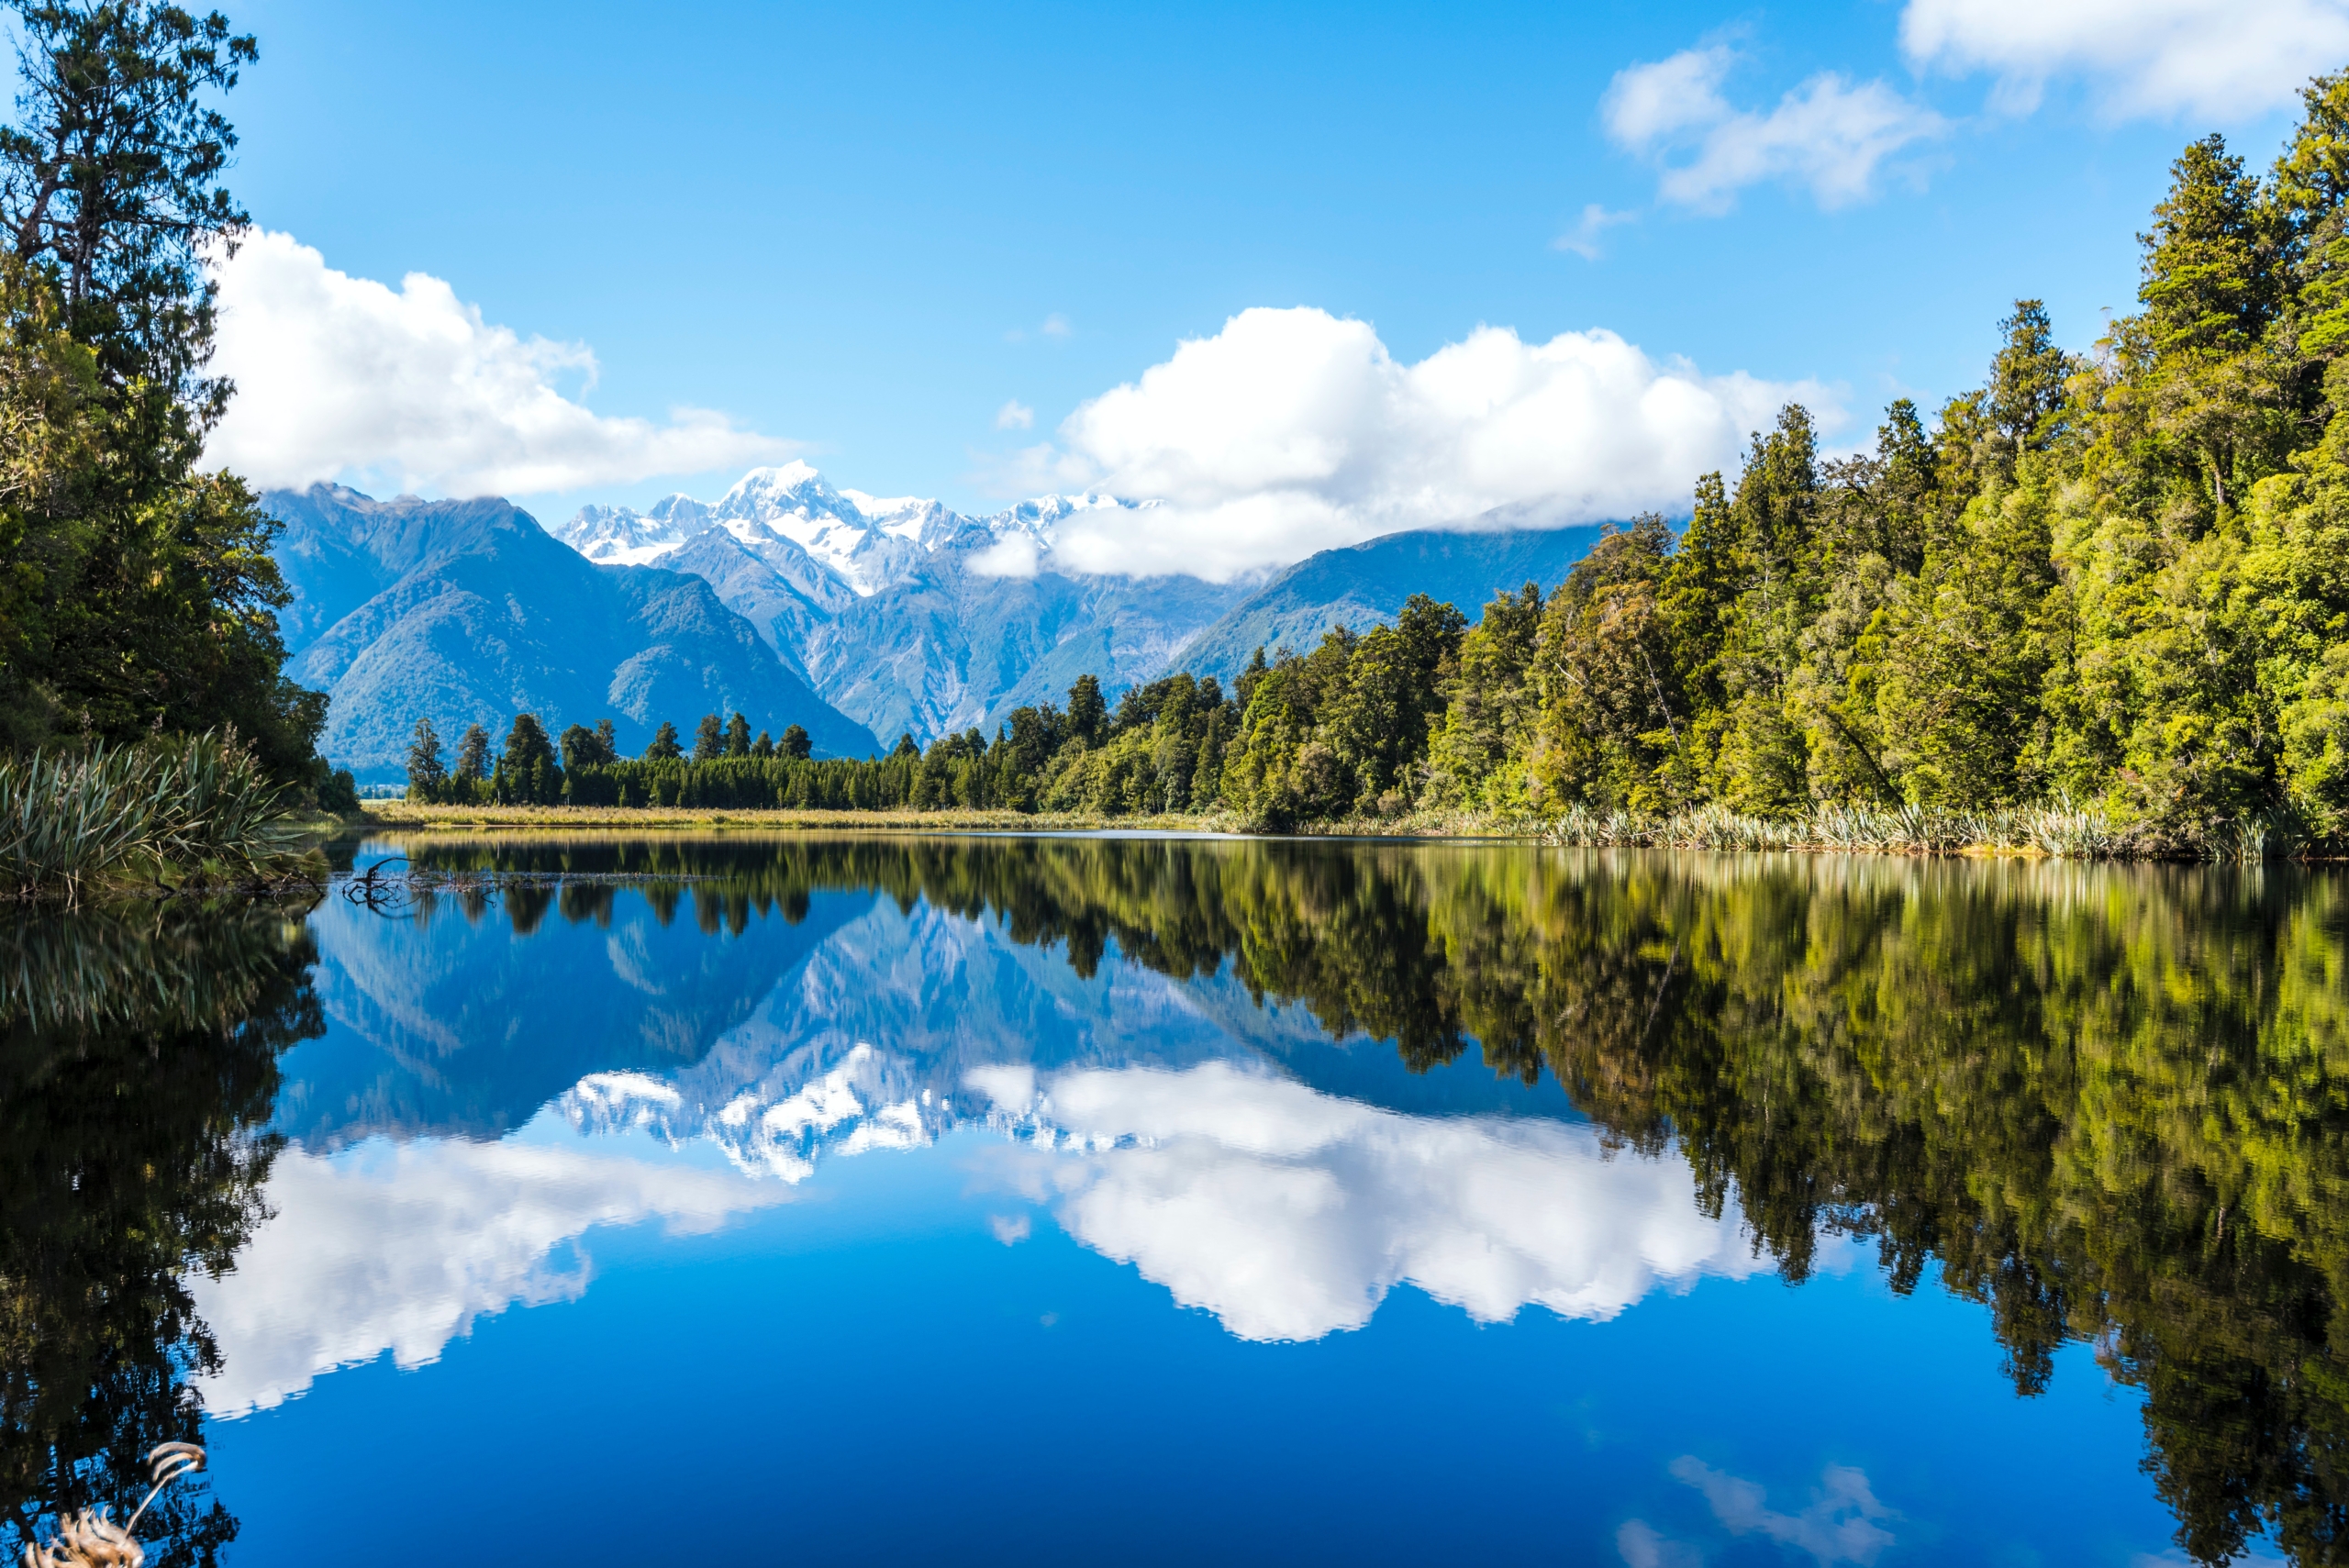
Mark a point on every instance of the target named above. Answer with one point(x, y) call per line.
point(1040, 1200)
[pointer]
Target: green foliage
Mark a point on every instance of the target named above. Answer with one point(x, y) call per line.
point(193, 809)
point(137, 593)
point(528, 773)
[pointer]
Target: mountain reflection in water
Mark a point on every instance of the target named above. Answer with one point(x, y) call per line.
point(1276, 1079)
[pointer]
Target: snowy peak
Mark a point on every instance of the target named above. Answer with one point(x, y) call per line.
point(623, 536)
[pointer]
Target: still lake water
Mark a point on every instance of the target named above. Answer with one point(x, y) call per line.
point(1079, 1200)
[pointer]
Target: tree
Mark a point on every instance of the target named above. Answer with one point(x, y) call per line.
point(795, 743)
point(665, 747)
point(763, 745)
point(528, 773)
point(473, 755)
point(1087, 713)
point(425, 772)
point(2027, 398)
point(709, 740)
point(113, 183)
point(906, 747)
point(738, 737)
point(586, 748)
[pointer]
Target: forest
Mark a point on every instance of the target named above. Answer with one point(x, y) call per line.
point(2115, 583)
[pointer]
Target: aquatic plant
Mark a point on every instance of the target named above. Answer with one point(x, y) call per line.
point(89, 1539)
point(199, 809)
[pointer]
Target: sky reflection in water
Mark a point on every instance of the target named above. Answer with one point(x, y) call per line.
point(990, 1201)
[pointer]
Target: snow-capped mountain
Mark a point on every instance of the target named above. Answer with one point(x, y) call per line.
point(867, 543)
point(915, 617)
point(911, 617)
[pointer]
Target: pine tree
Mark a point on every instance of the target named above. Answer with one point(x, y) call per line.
point(425, 772)
point(709, 740)
point(664, 746)
point(1087, 713)
point(473, 755)
point(795, 743)
point(738, 737)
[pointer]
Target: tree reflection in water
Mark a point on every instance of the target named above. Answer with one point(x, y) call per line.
point(137, 1054)
point(2108, 1102)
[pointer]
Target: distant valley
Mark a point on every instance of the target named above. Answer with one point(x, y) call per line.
point(858, 618)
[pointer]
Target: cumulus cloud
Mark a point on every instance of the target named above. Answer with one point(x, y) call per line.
point(1828, 135)
point(341, 378)
point(2214, 58)
point(1291, 431)
point(401, 1248)
point(1290, 1214)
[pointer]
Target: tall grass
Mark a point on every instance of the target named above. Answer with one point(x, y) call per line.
point(195, 809)
point(2060, 829)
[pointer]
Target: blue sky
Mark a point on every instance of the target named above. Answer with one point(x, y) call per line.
point(866, 231)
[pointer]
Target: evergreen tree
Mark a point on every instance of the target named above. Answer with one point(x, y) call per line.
point(1087, 713)
point(738, 737)
point(665, 747)
point(763, 745)
point(473, 755)
point(425, 772)
point(528, 773)
point(709, 740)
point(795, 742)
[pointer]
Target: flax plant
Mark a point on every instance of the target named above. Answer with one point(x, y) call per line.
point(194, 809)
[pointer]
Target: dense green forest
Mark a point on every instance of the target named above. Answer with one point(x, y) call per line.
point(137, 595)
point(2117, 581)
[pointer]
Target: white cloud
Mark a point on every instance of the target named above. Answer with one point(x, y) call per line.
point(1015, 416)
point(1056, 326)
point(1291, 431)
point(1828, 135)
point(1840, 1524)
point(2215, 59)
point(1582, 238)
point(400, 1247)
point(1290, 1214)
point(341, 378)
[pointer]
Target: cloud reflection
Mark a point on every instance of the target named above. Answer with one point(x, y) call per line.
point(400, 1248)
point(1290, 1214)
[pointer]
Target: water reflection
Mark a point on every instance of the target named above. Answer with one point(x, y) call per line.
point(1280, 1080)
point(137, 1063)
point(1290, 1214)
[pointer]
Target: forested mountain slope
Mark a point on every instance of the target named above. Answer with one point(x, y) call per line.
point(1366, 584)
point(468, 612)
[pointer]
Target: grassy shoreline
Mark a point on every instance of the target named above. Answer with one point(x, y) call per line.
point(2060, 833)
point(414, 817)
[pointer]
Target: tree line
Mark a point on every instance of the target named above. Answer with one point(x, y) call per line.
point(2118, 581)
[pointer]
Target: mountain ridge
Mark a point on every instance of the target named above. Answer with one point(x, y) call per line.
point(470, 612)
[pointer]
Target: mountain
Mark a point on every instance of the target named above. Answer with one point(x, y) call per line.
point(469, 611)
point(907, 616)
point(1364, 584)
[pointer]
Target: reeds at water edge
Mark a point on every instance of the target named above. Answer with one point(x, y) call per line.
point(2060, 829)
point(169, 811)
